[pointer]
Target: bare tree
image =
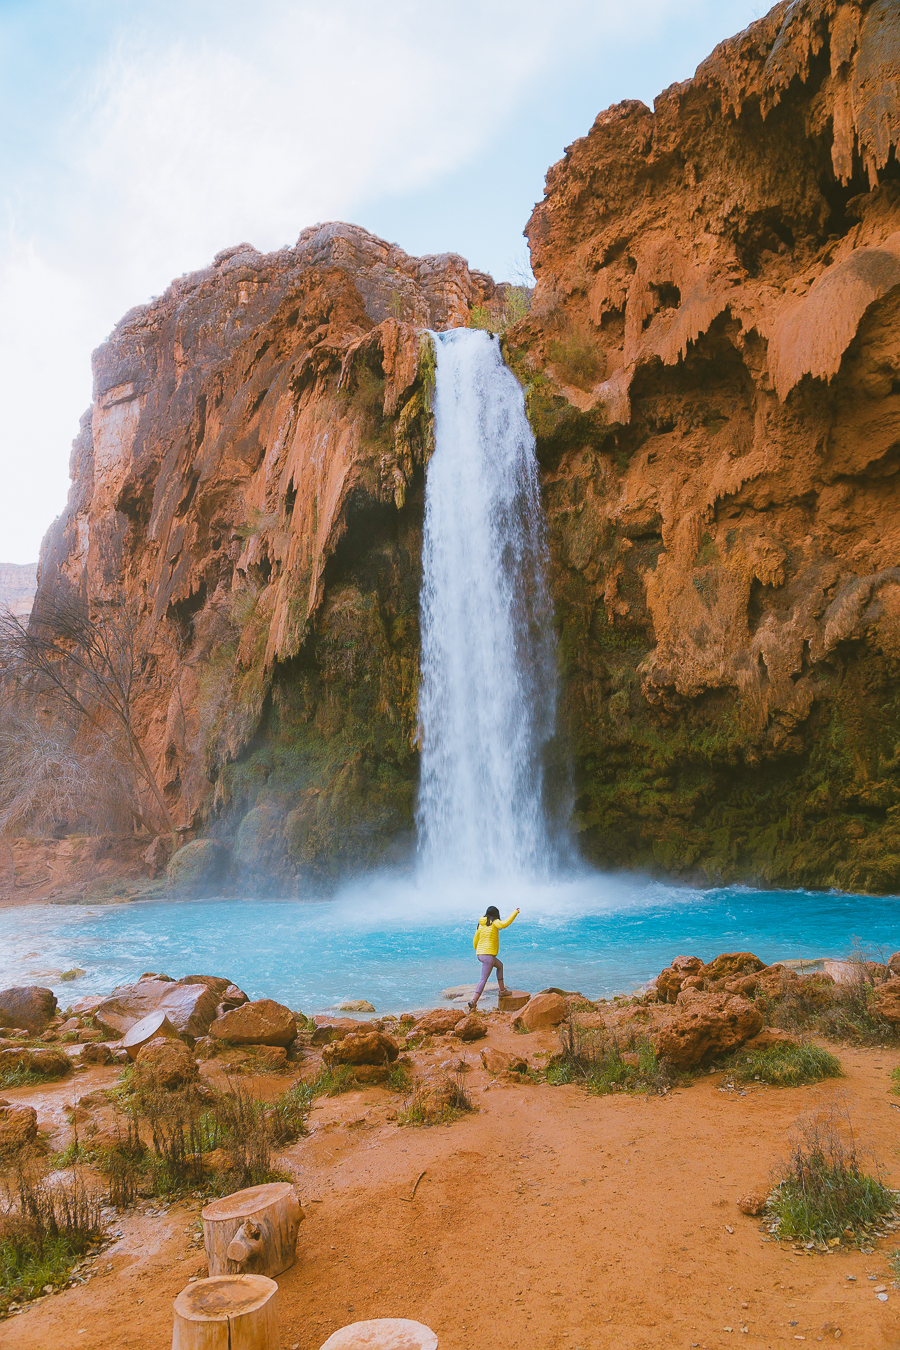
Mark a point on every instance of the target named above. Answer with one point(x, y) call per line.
point(93, 661)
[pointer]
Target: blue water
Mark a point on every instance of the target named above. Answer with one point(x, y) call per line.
point(392, 941)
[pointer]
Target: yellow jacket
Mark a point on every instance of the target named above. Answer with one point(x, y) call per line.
point(487, 935)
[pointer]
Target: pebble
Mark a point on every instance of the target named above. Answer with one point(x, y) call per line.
point(882, 1298)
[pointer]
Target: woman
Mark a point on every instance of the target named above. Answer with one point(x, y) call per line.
point(487, 944)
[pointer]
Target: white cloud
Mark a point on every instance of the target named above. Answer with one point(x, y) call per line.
point(203, 124)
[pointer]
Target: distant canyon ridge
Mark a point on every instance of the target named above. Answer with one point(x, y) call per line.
point(711, 365)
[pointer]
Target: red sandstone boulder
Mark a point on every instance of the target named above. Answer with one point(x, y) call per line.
point(668, 985)
point(190, 1008)
point(45, 1061)
point(711, 1024)
point(730, 965)
point(165, 1063)
point(96, 1053)
point(471, 1028)
point(745, 985)
point(886, 1003)
point(437, 1022)
point(362, 1047)
point(894, 964)
point(18, 1128)
point(262, 1022)
point(27, 1006)
point(541, 1012)
point(687, 965)
point(501, 1061)
point(334, 1028)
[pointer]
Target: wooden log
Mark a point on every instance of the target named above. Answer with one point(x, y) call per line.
point(154, 1024)
point(253, 1232)
point(227, 1312)
point(383, 1333)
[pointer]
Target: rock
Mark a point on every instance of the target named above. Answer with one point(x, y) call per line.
point(687, 965)
point(471, 1028)
point(356, 1005)
point(773, 979)
point(711, 1024)
point(150, 1028)
point(362, 1047)
point(156, 856)
point(668, 985)
point(730, 965)
point(513, 1001)
point(28, 1006)
point(197, 869)
point(74, 974)
point(165, 1063)
point(894, 964)
point(190, 1008)
point(754, 1202)
point(272, 1057)
point(501, 1061)
point(885, 1002)
point(18, 1128)
point(541, 1012)
point(371, 1074)
point(262, 1022)
point(206, 1048)
point(437, 1022)
point(334, 1028)
point(770, 1037)
point(97, 1053)
point(86, 1005)
point(44, 1061)
point(745, 985)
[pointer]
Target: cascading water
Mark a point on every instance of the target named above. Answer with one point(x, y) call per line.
point(487, 702)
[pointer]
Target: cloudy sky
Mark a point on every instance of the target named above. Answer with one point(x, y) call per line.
point(142, 136)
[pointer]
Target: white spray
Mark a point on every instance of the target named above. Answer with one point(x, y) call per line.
point(487, 702)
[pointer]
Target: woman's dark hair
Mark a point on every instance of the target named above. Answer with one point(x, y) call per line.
point(491, 913)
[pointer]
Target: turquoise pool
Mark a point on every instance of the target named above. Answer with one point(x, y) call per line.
point(399, 942)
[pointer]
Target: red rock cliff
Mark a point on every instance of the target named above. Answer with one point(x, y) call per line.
point(713, 362)
point(248, 481)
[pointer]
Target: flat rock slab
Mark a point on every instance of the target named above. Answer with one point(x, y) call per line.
point(383, 1333)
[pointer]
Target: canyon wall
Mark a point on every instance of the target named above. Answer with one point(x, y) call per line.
point(712, 363)
point(712, 370)
point(18, 582)
point(248, 484)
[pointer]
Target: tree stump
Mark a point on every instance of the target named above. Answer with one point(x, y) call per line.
point(383, 1333)
point(253, 1232)
point(228, 1312)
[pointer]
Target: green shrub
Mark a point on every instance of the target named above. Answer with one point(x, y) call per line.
point(45, 1227)
point(825, 1197)
point(784, 1065)
point(604, 1062)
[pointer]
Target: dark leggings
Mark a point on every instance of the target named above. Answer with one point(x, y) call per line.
point(488, 963)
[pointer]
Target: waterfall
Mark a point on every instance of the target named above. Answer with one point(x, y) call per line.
point(487, 701)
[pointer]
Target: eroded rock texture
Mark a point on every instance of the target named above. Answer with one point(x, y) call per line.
point(713, 371)
point(249, 481)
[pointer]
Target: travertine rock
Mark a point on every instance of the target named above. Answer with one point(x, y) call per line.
point(362, 1047)
point(27, 1006)
point(885, 1003)
point(190, 1008)
point(166, 1063)
point(542, 1011)
point(18, 1128)
point(710, 1024)
point(262, 1022)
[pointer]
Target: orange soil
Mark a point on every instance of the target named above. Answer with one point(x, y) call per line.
point(547, 1220)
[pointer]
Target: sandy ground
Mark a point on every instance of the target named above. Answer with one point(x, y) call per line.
point(547, 1219)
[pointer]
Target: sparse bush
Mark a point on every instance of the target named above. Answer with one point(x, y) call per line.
point(577, 360)
point(784, 1065)
point(511, 304)
point(44, 1228)
point(825, 1196)
point(815, 1003)
point(604, 1062)
point(437, 1105)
